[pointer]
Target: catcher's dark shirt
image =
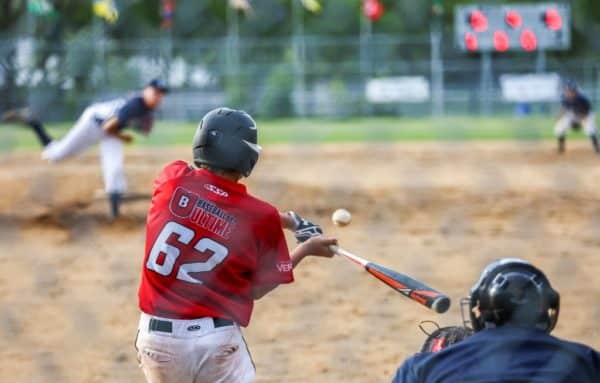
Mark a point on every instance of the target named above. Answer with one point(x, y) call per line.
point(507, 355)
point(580, 105)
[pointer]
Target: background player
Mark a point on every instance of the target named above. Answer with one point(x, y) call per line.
point(512, 309)
point(211, 250)
point(575, 110)
point(101, 122)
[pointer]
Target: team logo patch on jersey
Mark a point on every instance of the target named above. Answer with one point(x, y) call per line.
point(218, 191)
point(285, 267)
point(189, 205)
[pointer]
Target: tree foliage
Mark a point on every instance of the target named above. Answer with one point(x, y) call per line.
point(270, 18)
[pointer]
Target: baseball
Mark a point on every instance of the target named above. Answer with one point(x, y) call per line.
point(341, 217)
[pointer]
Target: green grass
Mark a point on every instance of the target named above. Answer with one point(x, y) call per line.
point(323, 130)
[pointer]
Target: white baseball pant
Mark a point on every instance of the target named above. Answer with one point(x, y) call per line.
point(194, 351)
point(564, 124)
point(85, 133)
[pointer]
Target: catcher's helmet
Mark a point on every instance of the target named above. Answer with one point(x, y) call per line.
point(512, 291)
point(226, 139)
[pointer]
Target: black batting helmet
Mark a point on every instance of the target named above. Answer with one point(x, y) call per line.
point(512, 291)
point(226, 139)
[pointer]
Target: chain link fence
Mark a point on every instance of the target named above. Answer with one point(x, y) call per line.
point(299, 76)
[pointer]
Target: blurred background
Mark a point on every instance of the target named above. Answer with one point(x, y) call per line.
point(275, 58)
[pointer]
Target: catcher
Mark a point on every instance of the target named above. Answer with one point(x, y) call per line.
point(512, 310)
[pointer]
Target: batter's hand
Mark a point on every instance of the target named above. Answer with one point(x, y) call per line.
point(304, 229)
point(319, 246)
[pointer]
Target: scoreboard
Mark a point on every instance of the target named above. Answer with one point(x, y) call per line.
point(514, 27)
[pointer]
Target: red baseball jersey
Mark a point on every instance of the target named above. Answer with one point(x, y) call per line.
point(208, 243)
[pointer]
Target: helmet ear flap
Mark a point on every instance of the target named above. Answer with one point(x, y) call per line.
point(208, 137)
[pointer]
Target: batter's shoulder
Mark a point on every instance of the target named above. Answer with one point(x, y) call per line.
point(408, 372)
point(173, 170)
point(261, 207)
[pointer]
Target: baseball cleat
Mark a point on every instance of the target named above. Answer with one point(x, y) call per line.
point(17, 115)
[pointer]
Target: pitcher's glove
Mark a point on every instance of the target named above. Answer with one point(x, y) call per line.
point(304, 229)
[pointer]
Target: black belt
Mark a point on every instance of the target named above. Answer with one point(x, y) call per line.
point(167, 326)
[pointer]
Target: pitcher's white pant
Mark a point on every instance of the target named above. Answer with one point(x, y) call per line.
point(85, 133)
point(194, 352)
point(564, 124)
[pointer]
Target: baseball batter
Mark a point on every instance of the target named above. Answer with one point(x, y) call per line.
point(576, 110)
point(101, 122)
point(211, 250)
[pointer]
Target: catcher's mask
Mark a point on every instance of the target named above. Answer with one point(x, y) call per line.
point(226, 139)
point(514, 292)
point(442, 337)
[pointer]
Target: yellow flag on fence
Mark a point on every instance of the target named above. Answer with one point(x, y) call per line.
point(312, 5)
point(107, 10)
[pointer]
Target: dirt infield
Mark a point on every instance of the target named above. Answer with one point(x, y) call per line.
point(436, 211)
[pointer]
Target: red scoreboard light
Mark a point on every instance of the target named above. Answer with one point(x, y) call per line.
point(519, 27)
point(478, 21)
point(501, 41)
point(513, 19)
point(471, 41)
point(528, 40)
point(553, 19)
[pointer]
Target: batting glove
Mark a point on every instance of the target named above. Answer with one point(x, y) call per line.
point(304, 228)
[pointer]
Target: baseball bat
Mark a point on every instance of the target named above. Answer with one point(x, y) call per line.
point(405, 285)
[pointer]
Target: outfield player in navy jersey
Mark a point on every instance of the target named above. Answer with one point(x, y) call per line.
point(512, 309)
point(101, 122)
point(576, 110)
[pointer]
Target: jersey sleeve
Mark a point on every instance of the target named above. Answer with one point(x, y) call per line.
point(133, 109)
point(405, 373)
point(586, 106)
point(274, 265)
point(595, 358)
point(564, 103)
point(143, 124)
point(173, 170)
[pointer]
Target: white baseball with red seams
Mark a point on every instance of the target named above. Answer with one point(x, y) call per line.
point(341, 217)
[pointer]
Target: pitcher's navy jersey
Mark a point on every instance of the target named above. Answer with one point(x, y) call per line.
point(131, 112)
